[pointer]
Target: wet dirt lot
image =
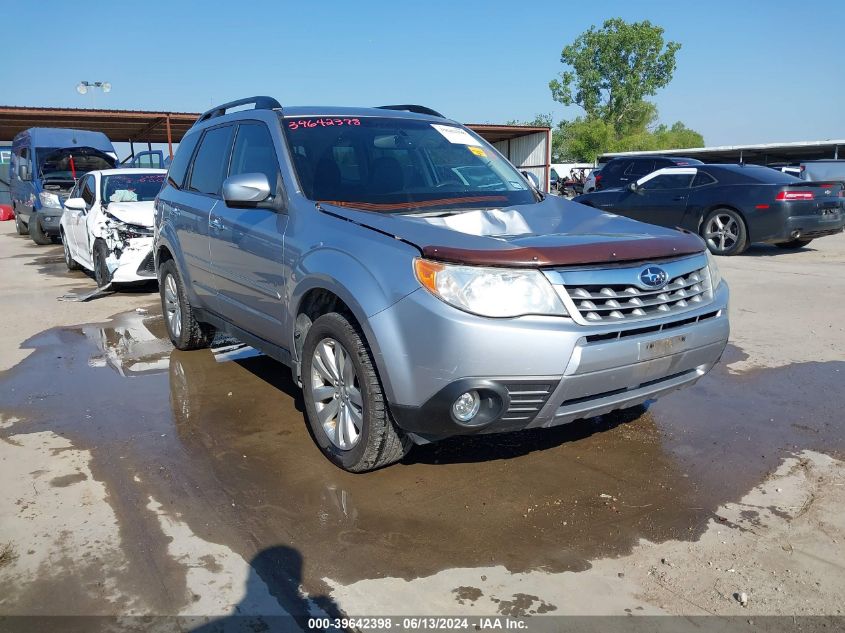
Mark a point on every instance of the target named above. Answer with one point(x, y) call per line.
point(213, 494)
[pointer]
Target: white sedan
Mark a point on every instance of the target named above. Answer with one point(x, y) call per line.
point(107, 224)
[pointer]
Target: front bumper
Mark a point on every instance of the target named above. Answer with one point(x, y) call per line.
point(48, 219)
point(535, 371)
point(135, 262)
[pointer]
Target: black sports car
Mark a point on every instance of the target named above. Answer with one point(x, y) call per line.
point(730, 206)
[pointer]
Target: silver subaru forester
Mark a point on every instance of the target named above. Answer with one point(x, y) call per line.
point(416, 283)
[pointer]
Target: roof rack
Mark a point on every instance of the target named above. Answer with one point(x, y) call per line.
point(261, 103)
point(412, 108)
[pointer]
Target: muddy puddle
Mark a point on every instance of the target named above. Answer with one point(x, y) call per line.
point(219, 438)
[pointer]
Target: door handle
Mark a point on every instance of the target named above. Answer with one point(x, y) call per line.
point(679, 198)
point(216, 224)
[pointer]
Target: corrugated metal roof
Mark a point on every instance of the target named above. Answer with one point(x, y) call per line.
point(757, 152)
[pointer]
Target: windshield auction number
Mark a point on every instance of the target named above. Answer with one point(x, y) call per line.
point(322, 122)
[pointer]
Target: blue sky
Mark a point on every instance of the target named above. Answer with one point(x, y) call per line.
point(748, 71)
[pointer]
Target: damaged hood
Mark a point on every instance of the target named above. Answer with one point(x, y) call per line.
point(552, 232)
point(137, 213)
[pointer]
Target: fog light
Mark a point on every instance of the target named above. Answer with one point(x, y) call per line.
point(466, 406)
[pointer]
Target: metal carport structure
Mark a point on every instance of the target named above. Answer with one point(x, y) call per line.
point(760, 154)
point(527, 147)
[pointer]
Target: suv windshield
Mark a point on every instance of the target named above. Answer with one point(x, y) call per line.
point(131, 187)
point(400, 165)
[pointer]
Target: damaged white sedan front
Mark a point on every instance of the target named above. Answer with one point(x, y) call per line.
point(107, 224)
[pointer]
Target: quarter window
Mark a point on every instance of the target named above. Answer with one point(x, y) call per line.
point(254, 152)
point(702, 179)
point(211, 161)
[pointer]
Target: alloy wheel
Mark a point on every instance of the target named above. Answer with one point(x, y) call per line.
point(336, 393)
point(722, 232)
point(171, 305)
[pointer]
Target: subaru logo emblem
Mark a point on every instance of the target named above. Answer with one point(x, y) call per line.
point(653, 277)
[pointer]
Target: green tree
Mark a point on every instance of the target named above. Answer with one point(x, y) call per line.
point(612, 70)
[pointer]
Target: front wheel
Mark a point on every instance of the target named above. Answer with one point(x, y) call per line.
point(724, 232)
point(793, 244)
point(19, 225)
point(102, 274)
point(38, 236)
point(182, 326)
point(344, 401)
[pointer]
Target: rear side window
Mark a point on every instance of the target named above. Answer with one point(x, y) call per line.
point(179, 166)
point(640, 168)
point(254, 152)
point(702, 179)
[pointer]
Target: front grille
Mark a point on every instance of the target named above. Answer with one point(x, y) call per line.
point(597, 303)
point(650, 329)
point(526, 400)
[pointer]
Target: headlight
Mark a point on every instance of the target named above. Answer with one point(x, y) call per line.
point(49, 200)
point(713, 269)
point(493, 292)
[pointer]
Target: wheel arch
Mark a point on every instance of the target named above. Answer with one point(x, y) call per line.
point(713, 207)
point(322, 296)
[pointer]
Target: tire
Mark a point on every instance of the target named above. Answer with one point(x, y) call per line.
point(70, 262)
point(724, 232)
point(186, 333)
point(793, 244)
point(102, 274)
point(19, 225)
point(357, 398)
point(38, 236)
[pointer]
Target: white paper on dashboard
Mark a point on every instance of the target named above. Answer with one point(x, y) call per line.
point(456, 135)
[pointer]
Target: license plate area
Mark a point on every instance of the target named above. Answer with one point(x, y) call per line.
point(662, 347)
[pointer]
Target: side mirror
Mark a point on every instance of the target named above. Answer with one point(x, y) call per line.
point(633, 187)
point(246, 190)
point(532, 178)
point(75, 204)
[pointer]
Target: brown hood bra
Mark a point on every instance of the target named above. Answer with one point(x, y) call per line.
point(639, 249)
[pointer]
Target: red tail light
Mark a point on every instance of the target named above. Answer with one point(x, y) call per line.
point(794, 195)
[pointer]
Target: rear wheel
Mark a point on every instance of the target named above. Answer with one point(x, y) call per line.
point(344, 401)
point(102, 274)
point(38, 236)
point(793, 244)
point(724, 232)
point(70, 262)
point(19, 225)
point(182, 326)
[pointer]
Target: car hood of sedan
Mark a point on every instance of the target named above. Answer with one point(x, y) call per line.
point(551, 232)
point(137, 213)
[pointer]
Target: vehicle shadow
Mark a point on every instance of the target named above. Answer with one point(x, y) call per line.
point(276, 375)
point(273, 600)
point(770, 250)
point(469, 449)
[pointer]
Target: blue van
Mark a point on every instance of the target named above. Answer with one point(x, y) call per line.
point(46, 162)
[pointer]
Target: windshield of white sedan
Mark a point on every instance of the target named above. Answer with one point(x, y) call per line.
point(131, 187)
point(399, 165)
